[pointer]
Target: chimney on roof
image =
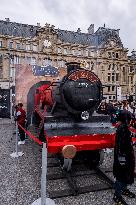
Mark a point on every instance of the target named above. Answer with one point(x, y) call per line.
point(91, 29)
point(118, 31)
point(38, 24)
point(133, 53)
point(7, 19)
point(78, 30)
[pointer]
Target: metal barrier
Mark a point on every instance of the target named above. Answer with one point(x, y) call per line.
point(43, 200)
point(16, 153)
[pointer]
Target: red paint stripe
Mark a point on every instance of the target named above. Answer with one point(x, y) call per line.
point(31, 136)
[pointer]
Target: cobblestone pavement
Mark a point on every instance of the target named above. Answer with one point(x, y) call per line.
point(20, 178)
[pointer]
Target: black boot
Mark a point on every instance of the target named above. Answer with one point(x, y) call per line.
point(128, 193)
point(118, 199)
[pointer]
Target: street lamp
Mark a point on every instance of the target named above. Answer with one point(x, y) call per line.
point(10, 57)
point(114, 81)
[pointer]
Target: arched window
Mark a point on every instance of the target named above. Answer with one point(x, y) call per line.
point(0, 44)
point(1, 70)
point(33, 61)
point(124, 74)
point(86, 53)
point(16, 60)
point(35, 48)
point(117, 55)
point(47, 61)
point(115, 67)
point(117, 76)
point(59, 50)
point(109, 67)
point(28, 47)
point(61, 63)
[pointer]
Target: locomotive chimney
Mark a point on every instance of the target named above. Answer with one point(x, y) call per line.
point(91, 29)
point(72, 66)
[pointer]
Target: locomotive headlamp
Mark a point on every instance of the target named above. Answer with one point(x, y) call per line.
point(85, 115)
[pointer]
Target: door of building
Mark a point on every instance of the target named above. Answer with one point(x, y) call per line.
point(4, 103)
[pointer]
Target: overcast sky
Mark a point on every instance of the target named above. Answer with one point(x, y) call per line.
point(73, 14)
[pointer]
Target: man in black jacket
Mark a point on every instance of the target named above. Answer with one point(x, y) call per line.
point(124, 161)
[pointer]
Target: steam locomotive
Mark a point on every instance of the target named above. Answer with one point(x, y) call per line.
point(72, 126)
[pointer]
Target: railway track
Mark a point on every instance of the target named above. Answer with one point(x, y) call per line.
point(80, 180)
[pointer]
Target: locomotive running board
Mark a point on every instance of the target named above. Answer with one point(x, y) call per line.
point(68, 127)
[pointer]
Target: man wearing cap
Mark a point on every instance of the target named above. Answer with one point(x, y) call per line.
point(124, 161)
point(21, 118)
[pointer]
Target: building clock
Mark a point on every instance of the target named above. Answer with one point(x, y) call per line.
point(47, 43)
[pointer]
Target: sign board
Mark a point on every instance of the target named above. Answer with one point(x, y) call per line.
point(44, 70)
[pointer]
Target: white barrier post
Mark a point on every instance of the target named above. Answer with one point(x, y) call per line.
point(43, 200)
point(16, 154)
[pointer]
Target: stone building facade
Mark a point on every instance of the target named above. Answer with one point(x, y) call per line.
point(101, 51)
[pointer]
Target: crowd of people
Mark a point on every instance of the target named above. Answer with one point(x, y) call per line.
point(113, 109)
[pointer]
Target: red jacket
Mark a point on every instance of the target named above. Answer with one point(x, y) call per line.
point(21, 116)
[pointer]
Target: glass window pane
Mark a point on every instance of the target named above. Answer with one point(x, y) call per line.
point(28, 47)
point(1, 70)
point(109, 54)
point(18, 46)
point(47, 62)
point(117, 76)
point(10, 45)
point(28, 59)
point(33, 61)
point(0, 44)
point(16, 60)
point(34, 48)
point(59, 50)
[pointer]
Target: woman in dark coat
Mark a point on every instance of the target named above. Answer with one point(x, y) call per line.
point(124, 161)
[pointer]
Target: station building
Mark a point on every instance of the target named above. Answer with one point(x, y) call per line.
point(100, 51)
